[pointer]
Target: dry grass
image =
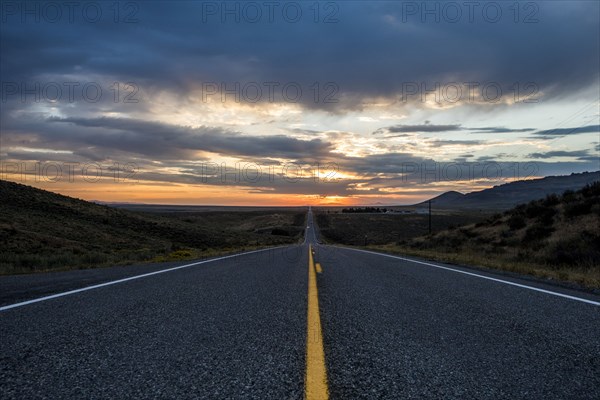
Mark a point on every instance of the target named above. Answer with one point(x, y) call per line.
point(351, 228)
point(557, 237)
point(585, 275)
point(43, 231)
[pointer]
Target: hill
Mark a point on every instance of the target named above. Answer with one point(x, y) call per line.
point(557, 237)
point(41, 230)
point(511, 194)
point(448, 198)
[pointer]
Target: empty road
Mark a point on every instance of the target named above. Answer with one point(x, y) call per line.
point(273, 324)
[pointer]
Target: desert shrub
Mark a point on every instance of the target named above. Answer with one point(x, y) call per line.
point(451, 242)
point(575, 209)
point(538, 210)
point(591, 190)
point(322, 221)
point(569, 196)
point(519, 209)
point(495, 219)
point(96, 258)
point(414, 243)
point(551, 200)
point(516, 221)
point(547, 217)
point(547, 220)
point(468, 232)
point(280, 232)
point(331, 234)
point(537, 232)
point(582, 249)
point(299, 219)
point(481, 240)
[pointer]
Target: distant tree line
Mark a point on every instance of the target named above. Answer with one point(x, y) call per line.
point(364, 210)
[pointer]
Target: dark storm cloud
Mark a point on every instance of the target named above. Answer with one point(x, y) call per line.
point(569, 131)
point(433, 128)
point(373, 49)
point(442, 143)
point(500, 130)
point(105, 138)
point(418, 128)
point(303, 131)
point(153, 138)
point(595, 159)
point(581, 154)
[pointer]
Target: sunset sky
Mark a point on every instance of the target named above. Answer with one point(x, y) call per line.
point(293, 103)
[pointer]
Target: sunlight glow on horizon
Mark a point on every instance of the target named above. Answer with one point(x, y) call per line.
point(215, 195)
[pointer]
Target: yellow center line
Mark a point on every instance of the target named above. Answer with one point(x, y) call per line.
point(316, 372)
point(318, 267)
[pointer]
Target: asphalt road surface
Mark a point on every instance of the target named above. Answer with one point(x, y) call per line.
point(237, 327)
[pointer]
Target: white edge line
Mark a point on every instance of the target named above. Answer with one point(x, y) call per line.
point(479, 276)
point(53, 296)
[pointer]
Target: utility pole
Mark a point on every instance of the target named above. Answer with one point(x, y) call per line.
point(429, 216)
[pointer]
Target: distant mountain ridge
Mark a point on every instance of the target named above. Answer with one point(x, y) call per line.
point(511, 194)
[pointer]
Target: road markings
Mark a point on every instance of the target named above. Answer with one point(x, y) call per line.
point(316, 372)
point(318, 267)
point(566, 296)
point(131, 278)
